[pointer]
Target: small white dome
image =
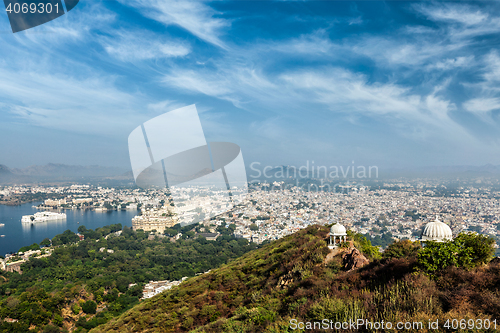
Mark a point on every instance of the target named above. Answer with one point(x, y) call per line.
point(437, 231)
point(338, 230)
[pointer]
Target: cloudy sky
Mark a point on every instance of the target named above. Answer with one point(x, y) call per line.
point(393, 84)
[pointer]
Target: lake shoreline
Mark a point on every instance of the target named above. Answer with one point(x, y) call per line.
point(18, 234)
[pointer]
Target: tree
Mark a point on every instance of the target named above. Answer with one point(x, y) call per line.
point(170, 232)
point(51, 329)
point(435, 256)
point(122, 283)
point(254, 227)
point(34, 246)
point(467, 250)
point(479, 249)
point(65, 238)
point(401, 249)
point(89, 307)
point(45, 242)
point(363, 244)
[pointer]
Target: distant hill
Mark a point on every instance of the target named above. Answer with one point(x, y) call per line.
point(60, 172)
point(7, 176)
point(455, 171)
point(5, 171)
point(63, 170)
point(297, 279)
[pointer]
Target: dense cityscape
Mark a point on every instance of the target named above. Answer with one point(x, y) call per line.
point(392, 210)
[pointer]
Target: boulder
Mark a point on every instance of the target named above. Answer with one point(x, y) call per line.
point(354, 259)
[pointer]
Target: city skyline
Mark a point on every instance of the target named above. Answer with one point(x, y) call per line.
point(394, 84)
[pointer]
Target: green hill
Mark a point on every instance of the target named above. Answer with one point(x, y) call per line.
point(296, 280)
point(83, 284)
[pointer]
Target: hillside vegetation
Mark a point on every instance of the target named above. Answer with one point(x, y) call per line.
point(289, 279)
point(84, 284)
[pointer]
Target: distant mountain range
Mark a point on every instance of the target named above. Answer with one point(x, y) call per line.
point(54, 172)
point(61, 172)
point(93, 173)
point(345, 172)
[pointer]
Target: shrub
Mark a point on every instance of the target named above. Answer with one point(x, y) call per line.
point(58, 320)
point(336, 309)
point(187, 323)
point(335, 265)
point(76, 309)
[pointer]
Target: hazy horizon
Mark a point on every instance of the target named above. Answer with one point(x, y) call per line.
point(54, 172)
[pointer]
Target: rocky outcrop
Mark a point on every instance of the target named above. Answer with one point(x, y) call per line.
point(288, 279)
point(495, 261)
point(354, 259)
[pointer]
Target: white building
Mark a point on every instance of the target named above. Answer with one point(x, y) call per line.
point(437, 231)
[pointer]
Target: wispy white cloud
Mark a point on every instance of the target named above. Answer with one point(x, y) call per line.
point(356, 21)
point(315, 44)
point(458, 13)
point(207, 83)
point(451, 63)
point(165, 106)
point(460, 21)
point(237, 83)
point(195, 16)
point(132, 46)
point(482, 105)
point(92, 105)
point(406, 47)
point(486, 91)
point(492, 69)
point(338, 90)
point(404, 51)
point(342, 91)
point(270, 128)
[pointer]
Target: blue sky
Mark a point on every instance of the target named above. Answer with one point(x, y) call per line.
point(393, 84)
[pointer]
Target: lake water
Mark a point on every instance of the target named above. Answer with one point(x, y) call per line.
point(18, 234)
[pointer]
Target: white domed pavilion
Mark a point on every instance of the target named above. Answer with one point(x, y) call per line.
point(437, 231)
point(337, 230)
